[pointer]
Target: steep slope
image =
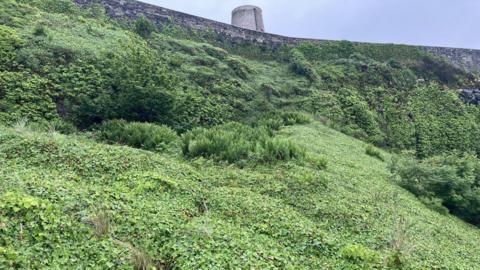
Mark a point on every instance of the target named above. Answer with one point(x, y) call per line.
point(69, 202)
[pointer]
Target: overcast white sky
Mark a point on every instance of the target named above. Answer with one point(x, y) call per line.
point(451, 23)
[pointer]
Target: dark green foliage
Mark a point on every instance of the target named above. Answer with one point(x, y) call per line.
point(132, 84)
point(40, 30)
point(444, 183)
point(272, 123)
point(141, 85)
point(139, 135)
point(439, 69)
point(373, 152)
point(237, 143)
point(295, 118)
point(144, 27)
point(301, 66)
point(194, 110)
point(276, 120)
point(364, 122)
point(239, 67)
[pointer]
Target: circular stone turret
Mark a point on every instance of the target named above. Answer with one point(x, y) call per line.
point(248, 17)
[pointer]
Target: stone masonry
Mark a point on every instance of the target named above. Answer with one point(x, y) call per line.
point(249, 17)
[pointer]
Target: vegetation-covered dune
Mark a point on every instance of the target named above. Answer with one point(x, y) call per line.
point(123, 145)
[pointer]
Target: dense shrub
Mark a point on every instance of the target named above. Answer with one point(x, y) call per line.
point(239, 67)
point(139, 135)
point(301, 66)
point(272, 123)
point(9, 43)
point(144, 27)
point(443, 182)
point(295, 118)
point(373, 152)
point(142, 85)
point(237, 143)
point(132, 83)
point(359, 115)
point(276, 120)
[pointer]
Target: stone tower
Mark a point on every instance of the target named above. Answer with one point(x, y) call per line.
point(249, 17)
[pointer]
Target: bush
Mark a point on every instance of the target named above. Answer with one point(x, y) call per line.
point(272, 123)
point(144, 27)
point(139, 135)
point(40, 30)
point(373, 152)
point(361, 255)
point(319, 163)
point(239, 67)
point(295, 118)
point(443, 182)
point(237, 143)
point(301, 66)
point(55, 125)
point(9, 43)
point(275, 121)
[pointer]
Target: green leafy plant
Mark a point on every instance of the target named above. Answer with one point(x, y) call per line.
point(361, 255)
point(446, 183)
point(144, 27)
point(373, 152)
point(140, 135)
point(301, 66)
point(235, 142)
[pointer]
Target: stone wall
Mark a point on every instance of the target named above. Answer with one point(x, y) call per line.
point(132, 9)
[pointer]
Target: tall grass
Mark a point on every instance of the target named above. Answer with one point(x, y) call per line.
point(235, 142)
point(139, 135)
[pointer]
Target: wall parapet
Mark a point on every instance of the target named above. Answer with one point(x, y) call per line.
point(468, 59)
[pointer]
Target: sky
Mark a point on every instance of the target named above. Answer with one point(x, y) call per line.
point(448, 23)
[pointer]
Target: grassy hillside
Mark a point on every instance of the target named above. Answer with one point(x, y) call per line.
point(70, 202)
point(234, 156)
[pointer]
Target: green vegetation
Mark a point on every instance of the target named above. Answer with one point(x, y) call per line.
point(371, 151)
point(447, 183)
point(126, 145)
point(139, 135)
point(239, 143)
point(87, 69)
point(74, 203)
